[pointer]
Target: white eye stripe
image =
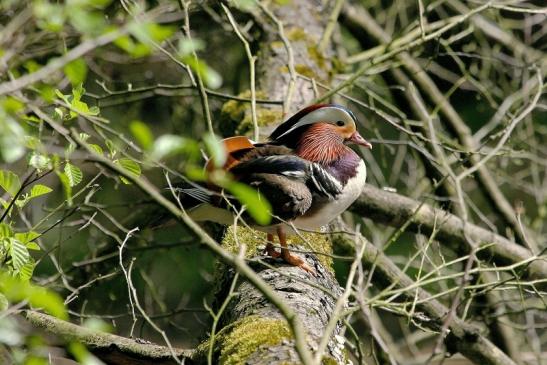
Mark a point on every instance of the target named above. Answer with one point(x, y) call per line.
point(327, 114)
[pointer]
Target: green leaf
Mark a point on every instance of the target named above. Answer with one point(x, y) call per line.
point(142, 134)
point(60, 112)
point(39, 162)
point(96, 324)
point(82, 355)
point(12, 138)
point(39, 189)
point(98, 149)
point(148, 32)
point(25, 273)
point(196, 173)
point(4, 304)
point(84, 136)
point(131, 166)
point(66, 186)
point(76, 71)
point(62, 96)
point(211, 78)
point(170, 144)
point(19, 254)
point(32, 142)
point(159, 32)
point(27, 237)
point(16, 290)
point(77, 92)
point(70, 148)
point(111, 147)
point(9, 182)
point(216, 149)
point(73, 173)
point(187, 46)
point(33, 246)
point(245, 5)
point(5, 231)
point(136, 50)
point(257, 205)
point(87, 21)
point(12, 105)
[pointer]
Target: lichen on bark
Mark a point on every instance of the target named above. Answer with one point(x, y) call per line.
point(312, 297)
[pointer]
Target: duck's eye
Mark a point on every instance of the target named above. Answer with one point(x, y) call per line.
point(340, 123)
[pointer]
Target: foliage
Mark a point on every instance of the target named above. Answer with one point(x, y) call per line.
point(99, 98)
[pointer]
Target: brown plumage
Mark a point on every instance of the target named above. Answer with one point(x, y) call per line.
point(306, 172)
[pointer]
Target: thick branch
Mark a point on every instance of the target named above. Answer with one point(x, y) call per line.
point(462, 337)
point(361, 18)
point(110, 348)
point(288, 42)
point(395, 210)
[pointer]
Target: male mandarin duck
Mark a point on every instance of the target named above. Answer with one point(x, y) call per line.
point(306, 171)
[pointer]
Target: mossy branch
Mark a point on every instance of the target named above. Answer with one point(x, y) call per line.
point(110, 348)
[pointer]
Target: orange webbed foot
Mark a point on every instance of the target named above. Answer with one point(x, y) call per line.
point(270, 250)
point(296, 261)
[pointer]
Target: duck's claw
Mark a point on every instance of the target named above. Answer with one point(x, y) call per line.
point(270, 250)
point(297, 261)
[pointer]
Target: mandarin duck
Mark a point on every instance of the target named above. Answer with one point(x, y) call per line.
point(305, 170)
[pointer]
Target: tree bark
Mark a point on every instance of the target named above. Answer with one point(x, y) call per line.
point(109, 348)
point(394, 210)
point(254, 331)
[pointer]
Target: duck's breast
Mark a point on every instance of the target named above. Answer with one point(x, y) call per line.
point(326, 211)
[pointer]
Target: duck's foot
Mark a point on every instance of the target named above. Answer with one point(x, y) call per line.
point(296, 261)
point(270, 250)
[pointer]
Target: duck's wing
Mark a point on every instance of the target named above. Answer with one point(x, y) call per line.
point(290, 183)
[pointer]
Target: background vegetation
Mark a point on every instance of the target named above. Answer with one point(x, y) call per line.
point(104, 104)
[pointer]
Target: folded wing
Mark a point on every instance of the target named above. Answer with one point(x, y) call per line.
point(289, 182)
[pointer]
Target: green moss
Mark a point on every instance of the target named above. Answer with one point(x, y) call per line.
point(338, 66)
point(264, 117)
point(305, 70)
point(317, 56)
point(296, 34)
point(235, 109)
point(276, 45)
point(246, 336)
point(251, 238)
point(326, 360)
point(237, 119)
point(282, 2)
point(255, 240)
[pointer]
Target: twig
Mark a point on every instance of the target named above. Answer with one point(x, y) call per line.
point(58, 63)
point(217, 316)
point(184, 5)
point(341, 302)
point(394, 209)
point(331, 24)
point(251, 60)
point(290, 57)
point(126, 274)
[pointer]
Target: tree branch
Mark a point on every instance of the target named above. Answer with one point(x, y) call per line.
point(394, 210)
point(110, 348)
point(462, 337)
